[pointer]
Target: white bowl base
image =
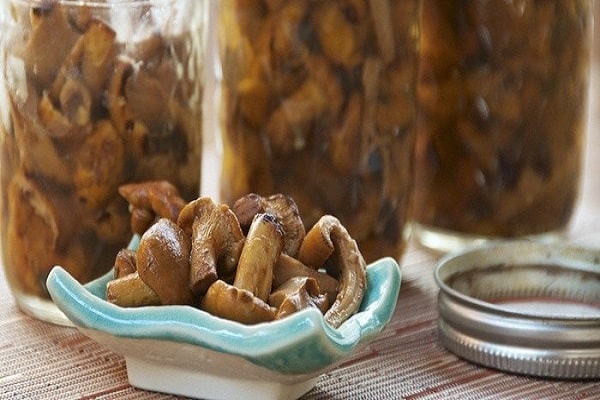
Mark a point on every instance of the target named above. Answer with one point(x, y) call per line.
point(166, 378)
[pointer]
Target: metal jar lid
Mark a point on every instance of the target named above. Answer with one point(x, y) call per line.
point(523, 307)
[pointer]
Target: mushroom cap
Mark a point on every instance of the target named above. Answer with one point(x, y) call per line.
point(198, 208)
point(283, 207)
point(163, 262)
point(216, 239)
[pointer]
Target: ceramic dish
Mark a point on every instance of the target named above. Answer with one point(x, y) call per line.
point(186, 351)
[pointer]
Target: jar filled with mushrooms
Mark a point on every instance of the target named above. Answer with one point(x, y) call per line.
point(502, 96)
point(318, 102)
point(92, 95)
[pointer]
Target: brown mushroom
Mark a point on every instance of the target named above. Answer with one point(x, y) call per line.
point(163, 262)
point(288, 267)
point(150, 200)
point(347, 262)
point(39, 235)
point(246, 300)
point(261, 250)
point(217, 241)
point(125, 263)
point(384, 28)
point(283, 207)
point(57, 124)
point(97, 178)
point(226, 301)
point(317, 245)
point(296, 294)
point(131, 291)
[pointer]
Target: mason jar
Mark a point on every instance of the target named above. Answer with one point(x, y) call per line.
point(502, 95)
point(318, 102)
point(93, 95)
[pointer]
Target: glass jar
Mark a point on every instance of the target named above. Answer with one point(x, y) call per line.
point(318, 102)
point(93, 95)
point(502, 94)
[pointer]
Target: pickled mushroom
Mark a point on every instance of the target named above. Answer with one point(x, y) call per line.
point(288, 267)
point(131, 291)
point(246, 300)
point(217, 241)
point(151, 200)
point(125, 263)
point(36, 229)
point(283, 207)
point(348, 263)
point(296, 294)
point(227, 301)
point(163, 262)
point(261, 250)
point(96, 179)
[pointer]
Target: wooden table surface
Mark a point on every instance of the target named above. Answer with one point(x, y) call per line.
point(39, 360)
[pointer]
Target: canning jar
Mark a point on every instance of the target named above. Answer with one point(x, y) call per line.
point(93, 95)
point(318, 102)
point(502, 97)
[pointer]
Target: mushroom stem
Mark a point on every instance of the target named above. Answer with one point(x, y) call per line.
point(283, 207)
point(317, 246)
point(261, 250)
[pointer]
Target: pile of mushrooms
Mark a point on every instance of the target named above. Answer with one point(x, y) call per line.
point(251, 263)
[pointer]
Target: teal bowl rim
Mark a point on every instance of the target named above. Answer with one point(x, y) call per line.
point(302, 343)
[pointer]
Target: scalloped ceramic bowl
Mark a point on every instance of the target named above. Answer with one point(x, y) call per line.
point(183, 350)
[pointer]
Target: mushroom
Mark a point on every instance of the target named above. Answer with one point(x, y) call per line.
point(39, 235)
point(76, 106)
point(125, 263)
point(97, 60)
point(246, 300)
point(226, 301)
point(281, 206)
point(217, 241)
point(384, 28)
point(131, 291)
point(347, 262)
point(336, 34)
point(97, 178)
point(288, 268)
point(116, 103)
point(48, 20)
point(79, 83)
point(317, 246)
point(149, 200)
point(163, 262)
point(57, 124)
point(296, 294)
point(261, 250)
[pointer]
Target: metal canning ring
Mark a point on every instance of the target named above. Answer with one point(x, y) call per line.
point(523, 307)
